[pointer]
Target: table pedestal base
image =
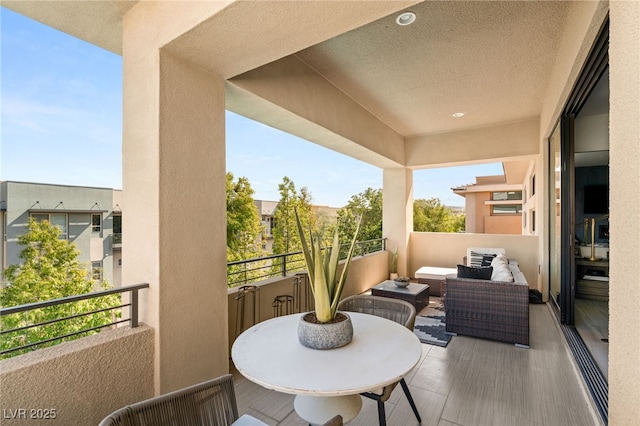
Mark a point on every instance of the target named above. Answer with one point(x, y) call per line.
point(317, 410)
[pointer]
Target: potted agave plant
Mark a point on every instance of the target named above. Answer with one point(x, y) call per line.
point(393, 264)
point(325, 327)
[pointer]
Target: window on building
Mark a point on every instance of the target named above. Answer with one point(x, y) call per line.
point(117, 229)
point(96, 223)
point(96, 271)
point(56, 219)
point(533, 185)
point(500, 209)
point(506, 195)
point(533, 221)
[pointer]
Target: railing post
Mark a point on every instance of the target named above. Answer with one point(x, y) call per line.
point(284, 265)
point(134, 308)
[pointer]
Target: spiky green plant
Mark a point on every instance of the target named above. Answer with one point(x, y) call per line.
point(322, 266)
point(393, 268)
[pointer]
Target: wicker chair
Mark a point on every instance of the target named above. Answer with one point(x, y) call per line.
point(212, 403)
point(395, 310)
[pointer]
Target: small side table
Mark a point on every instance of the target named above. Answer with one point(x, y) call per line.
point(434, 276)
point(416, 294)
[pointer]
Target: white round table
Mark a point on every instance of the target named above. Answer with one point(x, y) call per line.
point(326, 382)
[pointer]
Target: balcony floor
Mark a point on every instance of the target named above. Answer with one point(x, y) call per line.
point(471, 382)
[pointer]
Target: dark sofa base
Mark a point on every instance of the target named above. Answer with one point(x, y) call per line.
point(488, 309)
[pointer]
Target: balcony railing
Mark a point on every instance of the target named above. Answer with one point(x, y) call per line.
point(249, 271)
point(58, 321)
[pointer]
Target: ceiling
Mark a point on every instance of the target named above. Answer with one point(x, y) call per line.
point(489, 60)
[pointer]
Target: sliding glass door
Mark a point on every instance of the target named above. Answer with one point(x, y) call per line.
point(561, 208)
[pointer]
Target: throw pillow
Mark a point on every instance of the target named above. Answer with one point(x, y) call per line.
point(500, 259)
point(475, 259)
point(487, 259)
point(482, 273)
point(501, 272)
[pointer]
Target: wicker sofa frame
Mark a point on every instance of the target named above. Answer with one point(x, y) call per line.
point(488, 309)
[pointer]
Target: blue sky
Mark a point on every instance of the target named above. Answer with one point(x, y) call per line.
point(61, 123)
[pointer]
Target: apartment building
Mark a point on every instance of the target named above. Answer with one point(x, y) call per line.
point(267, 211)
point(492, 206)
point(91, 218)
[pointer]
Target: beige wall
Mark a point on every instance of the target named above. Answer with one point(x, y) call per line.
point(333, 119)
point(174, 143)
point(83, 380)
point(397, 214)
point(624, 289)
point(446, 250)
point(499, 142)
point(504, 224)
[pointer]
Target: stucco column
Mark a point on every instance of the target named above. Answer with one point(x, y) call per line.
point(624, 140)
point(397, 213)
point(174, 208)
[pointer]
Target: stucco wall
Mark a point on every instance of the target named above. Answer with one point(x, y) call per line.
point(624, 292)
point(498, 142)
point(446, 250)
point(506, 224)
point(83, 380)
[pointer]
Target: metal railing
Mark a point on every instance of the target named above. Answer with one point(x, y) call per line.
point(243, 272)
point(15, 310)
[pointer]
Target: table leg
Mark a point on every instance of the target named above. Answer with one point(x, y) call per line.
point(317, 410)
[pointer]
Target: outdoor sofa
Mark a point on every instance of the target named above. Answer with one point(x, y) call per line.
point(487, 308)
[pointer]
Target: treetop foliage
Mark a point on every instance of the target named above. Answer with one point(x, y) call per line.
point(50, 270)
point(244, 228)
point(429, 215)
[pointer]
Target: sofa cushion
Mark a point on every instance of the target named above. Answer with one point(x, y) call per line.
point(501, 270)
point(502, 273)
point(481, 273)
point(518, 276)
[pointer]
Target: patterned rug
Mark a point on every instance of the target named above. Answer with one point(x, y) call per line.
point(430, 324)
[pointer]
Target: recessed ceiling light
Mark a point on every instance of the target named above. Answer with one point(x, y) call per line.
point(406, 18)
point(458, 114)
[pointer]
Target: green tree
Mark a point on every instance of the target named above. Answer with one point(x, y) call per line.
point(244, 229)
point(50, 269)
point(244, 232)
point(366, 205)
point(432, 216)
point(285, 234)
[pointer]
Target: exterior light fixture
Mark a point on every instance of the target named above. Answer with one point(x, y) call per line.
point(458, 114)
point(405, 18)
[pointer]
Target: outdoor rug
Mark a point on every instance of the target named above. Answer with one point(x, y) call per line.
point(430, 324)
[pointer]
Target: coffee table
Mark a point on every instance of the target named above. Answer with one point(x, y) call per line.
point(416, 294)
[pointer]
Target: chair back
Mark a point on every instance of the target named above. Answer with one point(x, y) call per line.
point(209, 403)
point(396, 310)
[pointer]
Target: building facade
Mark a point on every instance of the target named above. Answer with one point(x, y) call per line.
point(492, 206)
point(90, 218)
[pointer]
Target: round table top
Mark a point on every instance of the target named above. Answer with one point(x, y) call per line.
point(381, 353)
